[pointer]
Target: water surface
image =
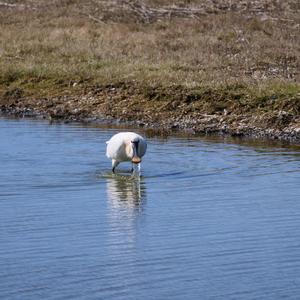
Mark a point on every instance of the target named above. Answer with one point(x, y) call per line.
point(208, 219)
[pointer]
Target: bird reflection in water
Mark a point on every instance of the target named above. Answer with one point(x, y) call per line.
point(126, 197)
point(126, 193)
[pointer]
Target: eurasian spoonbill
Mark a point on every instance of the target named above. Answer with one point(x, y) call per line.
point(126, 146)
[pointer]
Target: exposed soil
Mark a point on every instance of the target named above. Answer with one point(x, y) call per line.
point(173, 108)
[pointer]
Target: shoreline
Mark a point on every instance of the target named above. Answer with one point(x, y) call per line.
point(134, 111)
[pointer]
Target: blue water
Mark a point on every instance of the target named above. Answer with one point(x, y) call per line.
point(208, 219)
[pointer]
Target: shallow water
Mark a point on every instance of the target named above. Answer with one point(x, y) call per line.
point(206, 220)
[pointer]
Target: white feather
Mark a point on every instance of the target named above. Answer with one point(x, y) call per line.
point(120, 147)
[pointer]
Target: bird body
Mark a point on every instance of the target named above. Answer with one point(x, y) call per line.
point(126, 146)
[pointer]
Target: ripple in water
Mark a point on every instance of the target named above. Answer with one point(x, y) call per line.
point(204, 219)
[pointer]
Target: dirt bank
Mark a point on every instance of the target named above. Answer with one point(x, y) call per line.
point(204, 111)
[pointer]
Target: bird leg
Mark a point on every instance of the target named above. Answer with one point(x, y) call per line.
point(114, 164)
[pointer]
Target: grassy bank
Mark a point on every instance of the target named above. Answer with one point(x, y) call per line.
point(199, 57)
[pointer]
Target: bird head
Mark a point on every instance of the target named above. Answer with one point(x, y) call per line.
point(135, 147)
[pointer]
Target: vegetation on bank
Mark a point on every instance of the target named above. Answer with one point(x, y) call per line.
point(212, 56)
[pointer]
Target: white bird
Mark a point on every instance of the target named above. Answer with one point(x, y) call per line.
point(126, 146)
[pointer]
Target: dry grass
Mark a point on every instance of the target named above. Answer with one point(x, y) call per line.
point(251, 45)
